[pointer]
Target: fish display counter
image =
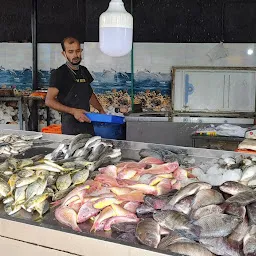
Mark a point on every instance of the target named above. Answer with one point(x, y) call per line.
point(24, 234)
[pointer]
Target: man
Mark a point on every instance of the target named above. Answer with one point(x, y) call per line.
point(70, 91)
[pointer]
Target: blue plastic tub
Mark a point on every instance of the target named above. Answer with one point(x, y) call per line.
point(110, 130)
point(103, 118)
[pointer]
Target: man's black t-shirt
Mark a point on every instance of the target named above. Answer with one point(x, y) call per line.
point(63, 79)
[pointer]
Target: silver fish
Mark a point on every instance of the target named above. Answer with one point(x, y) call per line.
point(217, 225)
point(206, 210)
point(148, 232)
point(78, 138)
point(189, 249)
point(188, 190)
point(31, 137)
point(243, 198)
point(207, 197)
point(92, 141)
point(235, 210)
point(249, 173)
point(45, 167)
point(12, 209)
point(8, 200)
point(233, 188)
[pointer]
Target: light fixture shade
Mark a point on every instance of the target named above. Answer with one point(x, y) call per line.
point(116, 30)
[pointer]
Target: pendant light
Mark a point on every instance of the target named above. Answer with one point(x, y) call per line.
point(116, 30)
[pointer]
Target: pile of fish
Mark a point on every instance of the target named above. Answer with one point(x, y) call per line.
point(198, 220)
point(228, 168)
point(12, 144)
point(28, 183)
point(116, 193)
point(85, 146)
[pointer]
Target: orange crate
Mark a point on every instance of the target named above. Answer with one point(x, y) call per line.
point(54, 128)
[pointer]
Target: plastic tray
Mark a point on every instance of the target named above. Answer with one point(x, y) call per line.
point(103, 118)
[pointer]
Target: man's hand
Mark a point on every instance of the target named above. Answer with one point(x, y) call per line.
point(102, 111)
point(80, 116)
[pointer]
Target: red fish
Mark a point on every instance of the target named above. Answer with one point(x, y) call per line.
point(146, 189)
point(120, 211)
point(119, 219)
point(110, 170)
point(180, 174)
point(131, 165)
point(176, 185)
point(164, 186)
point(134, 196)
point(127, 174)
point(151, 160)
point(120, 191)
point(131, 206)
point(86, 212)
point(161, 169)
point(107, 180)
point(103, 202)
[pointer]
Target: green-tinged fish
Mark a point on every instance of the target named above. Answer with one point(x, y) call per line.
point(5, 189)
point(42, 186)
point(217, 225)
point(148, 232)
point(26, 181)
point(20, 195)
point(63, 182)
point(243, 198)
point(80, 177)
point(188, 190)
point(8, 200)
point(50, 163)
point(32, 189)
point(4, 166)
point(45, 167)
point(51, 179)
point(25, 162)
point(233, 188)
point(12, 209)
point(13, 163)
point(34, 201)
point(61, 194)
point(26, 173)
point(42, 208)
point(8, 173)
point(72, 165)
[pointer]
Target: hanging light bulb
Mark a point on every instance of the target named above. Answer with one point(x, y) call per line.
point(116, 30)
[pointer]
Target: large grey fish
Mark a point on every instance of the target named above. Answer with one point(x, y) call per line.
point(188, 190)
point(144, 209)
point(91, 142)
point(189, 249)
point(58, 151)
point(150, 152)
point(124, 227)
point(71, 151)
point(206, 210)
point(78, 138)
point(172, 238)
point(220, 246)
point(249, 243)
point(148, 232)
point(96, 151)
point(184, 205)
point(63, 182)
point(237, 236)
point(172, 220)
point(217, 225)
point(235, 210)
point(251, 212)
point(233, 188)
point(243, 198)
point(207, 197)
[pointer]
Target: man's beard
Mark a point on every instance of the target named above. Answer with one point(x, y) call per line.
point(74, 63)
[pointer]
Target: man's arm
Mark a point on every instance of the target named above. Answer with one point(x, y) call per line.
point(96, 104)
point(52, 102)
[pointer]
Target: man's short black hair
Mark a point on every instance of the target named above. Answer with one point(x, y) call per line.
point(69, 40)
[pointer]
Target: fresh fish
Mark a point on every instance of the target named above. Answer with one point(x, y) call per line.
point(76, 147)
point(172, 238)
point(124, 227)
point(86, 212)
point(144, 188)
point(119, 219)
point(206, 210)
point(20, 195)
point(26, 173)
point(63, 182)
point(131, 206)
point(34, 201)
point(92, 141)
point(12, 182)
point(237, 236)
point(148, 232)
point(165, 186)
point(144, 209)
point(249, 243)
point(217, 225)
point(160, 169)
point(249, 173)
point(150, 153)
point(11, 209)
point(42, 208)
point(42, 186)
point(184, 205)
point(106, 201)
point(243, 198)
point(220, 246)
point(45, 167)
point(233, 188)
point(31, 190)
point(252, 182)
point(158, 202)
point(54, 165)
point(68, 217)
point(127, 238)
point(172, 220)
point(151, 160)
point(80, 177)
point(188, 190)
point(189, 249)
point(235, 210)
point(251, 212)
point(207, 197)
point(5, 189)
point(80, 138)
point(25, 162)
point(120, 191)
point(31, 137)
point(135, 196)
point(8, 200)
point(61, 194)
point(26, 181)
point(96, 151)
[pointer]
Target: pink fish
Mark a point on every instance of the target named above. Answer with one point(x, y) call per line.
point(120, 211)
point(131, 165)
point(119, 219)
point(86, 212)
point(180, 174)
point(125, 182)
point(136, 177)
point(120, 191)
point(131, 206)
point(75, 205)
point(100, 192)
point(164, 186)
point(127, 174)
point(176, 185)
point(161, 169)
point(103, 202)
point(146, 189)
point(107, 180)
point(68, 217)
point(106, 213)
point(110, 170)
point(134, 196)
point(151, 160)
